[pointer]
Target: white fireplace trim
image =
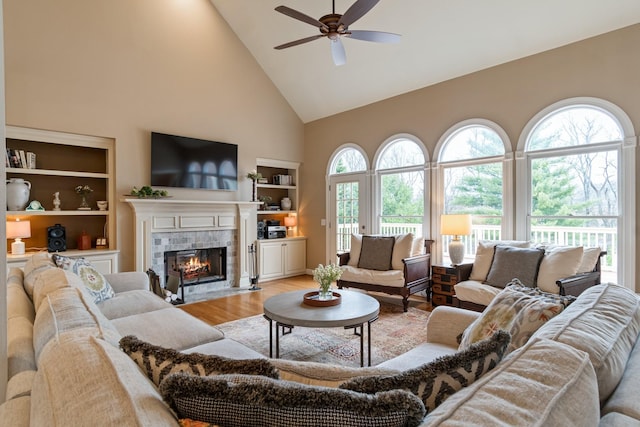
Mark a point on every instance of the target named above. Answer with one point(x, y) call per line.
point(166, 215)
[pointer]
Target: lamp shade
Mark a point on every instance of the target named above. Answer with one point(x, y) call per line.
point(290, 221)
point(18, 229)
point(455, 225)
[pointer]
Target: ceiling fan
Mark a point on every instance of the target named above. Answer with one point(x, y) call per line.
point(334, 26)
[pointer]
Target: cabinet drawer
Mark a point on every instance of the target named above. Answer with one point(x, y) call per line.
point(439, 269)
point(447, 279)
point(450, 300)
point(444, 289)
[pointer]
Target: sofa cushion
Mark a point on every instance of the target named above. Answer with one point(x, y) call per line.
point(37, 263)
point(101, 386)
point(95, 282)
point(510, 262)
point(484, 256)
point(246, 401)
point(401, 250)
point(435, 381)
point(624, 399)
point(589, 260)
point(374, 277)
point(354, 251)
point(514, 311)
point(558, 263)
point(19, 304)
point(476, 292)
point(544, 383)
point(70, 309)
point(20, 384)
point(376, 252)
point(51, 280)
point(603, 322)
point(127, 303)
point(15, 412)
point(170, 327)
point(226, 347)
point(20, 354)
point(158, 362)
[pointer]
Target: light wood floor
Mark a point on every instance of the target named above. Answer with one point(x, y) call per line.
point(249, 303)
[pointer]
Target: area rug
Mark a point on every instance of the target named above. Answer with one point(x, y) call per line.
point(394, 333)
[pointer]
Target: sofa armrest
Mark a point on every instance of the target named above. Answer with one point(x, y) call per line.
point(128, 281)
point(575, 285)
point(417, 267)
point(446, 323)
point(464, 271)
point(343, 258)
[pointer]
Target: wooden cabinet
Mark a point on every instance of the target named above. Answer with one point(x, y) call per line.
point(443, 279)
point(105, 261)
point(282, 257)
point(63, 162)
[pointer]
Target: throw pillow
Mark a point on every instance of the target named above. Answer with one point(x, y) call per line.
point(435, 381)
point(376, 252)
point(558, 263)
point(589, 260)
point(565, 300)
point(417, 248)
point(354, 252)
point(516, 312)
point(248, 401)
point(158, 362)
point(95, 282)
point(401, 250)
point(484, 256)
point(510, 262)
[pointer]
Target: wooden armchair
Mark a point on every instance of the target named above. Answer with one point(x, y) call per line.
point(416, 274)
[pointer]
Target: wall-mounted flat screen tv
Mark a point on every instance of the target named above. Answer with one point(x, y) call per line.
point(179, 161)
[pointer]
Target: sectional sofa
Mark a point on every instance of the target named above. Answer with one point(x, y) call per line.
point(581, 368)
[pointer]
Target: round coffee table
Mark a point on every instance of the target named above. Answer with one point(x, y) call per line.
point(288, 310)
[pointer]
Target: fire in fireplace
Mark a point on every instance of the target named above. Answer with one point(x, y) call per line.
point(196, 266)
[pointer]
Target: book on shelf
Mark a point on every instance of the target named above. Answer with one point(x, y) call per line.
point(14, 158)
point(23, 158)
point(31, 160)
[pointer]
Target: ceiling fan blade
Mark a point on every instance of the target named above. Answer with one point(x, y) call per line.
point(357, 11)
point(374, 36)
point(297, 42)
point(338, 53)
point(300, 16)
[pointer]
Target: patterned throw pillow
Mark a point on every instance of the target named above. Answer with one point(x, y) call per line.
point(519, 313)
point(158, 362)
point(95, 282)
point(254, 401)
point(435, 381)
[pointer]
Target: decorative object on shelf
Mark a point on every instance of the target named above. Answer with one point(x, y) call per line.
point(101, 243)
point(102, 205)
point(56, 201)
point(84, 241)
point(325, 275)
point(35, 206)
point(146, 192)
point(18, 230)
point(285, 203)
point(254, 176)
point(313, 298)
point(290, 222)
point(84, 191)
point(455, 225)
point(18, 191)
point(56, 238)
point(265, 202)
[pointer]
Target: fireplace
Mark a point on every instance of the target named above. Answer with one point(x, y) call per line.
point(196, 266)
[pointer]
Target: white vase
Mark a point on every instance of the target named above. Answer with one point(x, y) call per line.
point(18, 191)
point(285, 204)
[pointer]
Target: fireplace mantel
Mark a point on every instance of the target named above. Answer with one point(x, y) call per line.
point(169, 214)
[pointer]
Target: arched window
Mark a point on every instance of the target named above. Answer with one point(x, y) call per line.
point(575, 170)
point(473, 176)
point(400, 186)
point(347, 160)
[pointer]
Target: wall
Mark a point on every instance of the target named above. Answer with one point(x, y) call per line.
point(510, 95)
point(122, 69)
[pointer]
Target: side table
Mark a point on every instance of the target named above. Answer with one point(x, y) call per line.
point(444, 278)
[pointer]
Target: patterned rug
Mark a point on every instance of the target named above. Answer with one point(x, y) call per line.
point(392, 334)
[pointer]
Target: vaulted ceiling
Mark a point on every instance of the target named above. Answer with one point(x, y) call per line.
point(440, 40)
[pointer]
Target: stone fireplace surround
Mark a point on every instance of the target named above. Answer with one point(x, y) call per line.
point(170, 224)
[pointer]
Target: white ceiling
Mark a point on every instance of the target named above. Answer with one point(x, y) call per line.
point(441, 40)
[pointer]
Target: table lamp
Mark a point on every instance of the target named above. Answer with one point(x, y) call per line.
point(290, 222)
point(455, 225)
point(18, 230)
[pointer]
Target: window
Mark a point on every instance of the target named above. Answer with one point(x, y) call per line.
point(574, 167)
point(401, 186)
point(472, 178)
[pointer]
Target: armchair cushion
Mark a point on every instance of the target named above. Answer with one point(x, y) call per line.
point(484, 256)
point(558, 263)
point(476, 292)
point(510, 262)
point(590, 258)
point(376, 252)
point(374, 277)
point(401, 250)
point(356, 247)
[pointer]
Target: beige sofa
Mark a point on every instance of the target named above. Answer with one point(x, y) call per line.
point(65, 367)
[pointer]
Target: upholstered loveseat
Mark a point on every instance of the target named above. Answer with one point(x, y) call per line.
point(395, 265)
point(581, 368)
point(563, 270)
